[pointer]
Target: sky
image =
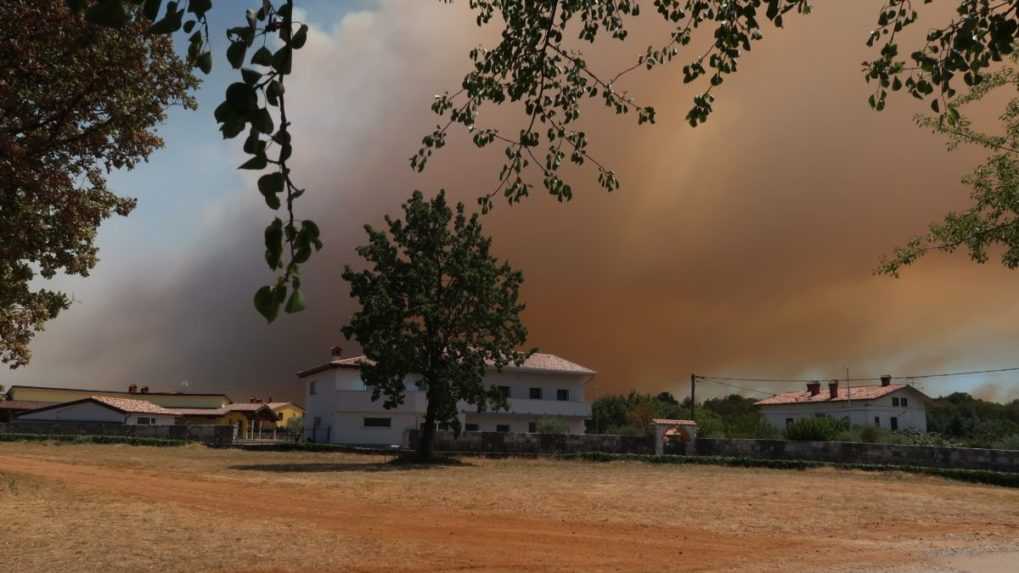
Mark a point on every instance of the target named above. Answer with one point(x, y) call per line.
point(745, 247)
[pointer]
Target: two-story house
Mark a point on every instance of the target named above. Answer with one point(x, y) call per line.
point(339, 407)
point(889, 406)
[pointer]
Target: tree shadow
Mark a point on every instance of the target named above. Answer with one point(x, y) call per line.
point(396, 464)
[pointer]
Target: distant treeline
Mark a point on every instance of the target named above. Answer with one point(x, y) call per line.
point(956, 419)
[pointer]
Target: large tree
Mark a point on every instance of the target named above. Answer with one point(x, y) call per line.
point(435, 303)
point(76, 101)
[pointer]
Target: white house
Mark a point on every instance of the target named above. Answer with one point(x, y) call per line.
point(103, 409)
point(339, 407)
point(889, 406)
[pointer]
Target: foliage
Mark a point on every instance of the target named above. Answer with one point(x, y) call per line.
point(70, 111)
point(551, 425)
point(815, 429)
point(89, 439)
point(535, 66)
point(993, 218)
point(732, 416)
point(971, 421)
point(435, 302)
point(1010, 442)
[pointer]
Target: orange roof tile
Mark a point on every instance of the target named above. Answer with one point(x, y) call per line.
point(857, 393)
point(132, 406)
point(538, 362)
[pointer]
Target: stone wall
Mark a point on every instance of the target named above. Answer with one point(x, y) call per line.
point(859, 453)
point(209, 435)
point(516, 443)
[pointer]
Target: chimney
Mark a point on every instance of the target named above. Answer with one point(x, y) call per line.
point(886, 380)
point(269, 400)
point(833, 389)
point(251, 399)
point(336, 351)
point(132, 389)
point(814, 388)
point(144, 390)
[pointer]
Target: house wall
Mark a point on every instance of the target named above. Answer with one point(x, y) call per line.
point(860, 413)
point(287, 413)
point(342, 402)
point(58, 395)
point(157, 419)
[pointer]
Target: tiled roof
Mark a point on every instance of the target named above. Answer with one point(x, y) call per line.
point(22, 405)
point(130, 406)
point(858, 393)
point(667, 422)
point(537, 361)
point(200, 411)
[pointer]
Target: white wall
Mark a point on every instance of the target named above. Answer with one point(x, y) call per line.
point(860, 413)
point(342, 402)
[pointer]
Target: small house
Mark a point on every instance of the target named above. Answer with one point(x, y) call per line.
point(889, 406)
point(103, 409)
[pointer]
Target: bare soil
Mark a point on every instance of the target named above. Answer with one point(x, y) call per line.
point(127, 508)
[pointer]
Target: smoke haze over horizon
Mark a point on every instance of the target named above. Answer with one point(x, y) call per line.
point(745, 247)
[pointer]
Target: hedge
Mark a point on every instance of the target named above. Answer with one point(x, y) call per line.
point(88, 439)
point(1004, 479)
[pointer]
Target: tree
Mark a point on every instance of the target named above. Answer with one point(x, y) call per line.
point(993, 219)
point(435, 303)
point(70, 111)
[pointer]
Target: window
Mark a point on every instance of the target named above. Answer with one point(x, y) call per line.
point(894, 423)
point(820, 415)
point(316, 422)
point(902, 402)
point(504, 391)
point(377, 422)
point(143, 421)
point(877, 421)
point(535, 394)
point(562, 394)
point(895, 402)
point(532, 427)
point(313, 388)
point(788, 422)
point(472, 427)
point(504, 428)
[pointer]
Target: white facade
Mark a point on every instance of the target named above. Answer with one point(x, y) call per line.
point(339, 407)
point(87, 411)
point(903, 409)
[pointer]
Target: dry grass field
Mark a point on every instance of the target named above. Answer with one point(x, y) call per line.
point(138, 509)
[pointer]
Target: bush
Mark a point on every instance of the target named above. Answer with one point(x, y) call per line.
point(815, 429)
point(1007, 443)
point(552, 426)
point(87, 439)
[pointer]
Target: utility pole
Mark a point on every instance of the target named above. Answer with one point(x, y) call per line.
point(693, 394)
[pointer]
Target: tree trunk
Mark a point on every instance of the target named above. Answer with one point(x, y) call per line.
point(427, 442)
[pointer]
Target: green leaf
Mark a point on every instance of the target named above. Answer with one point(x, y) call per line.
point(283, 59)
point(250, 76)
point(235, 54)
point(274, 243)
point(295, 303)
point(170, 23)
point(262, 57)
point(271, 183)
point(273, 91)
point(263, 121)
point(205, 62)
point(199, 7)
point(266, 304)
point(76, 6)
point(257, 162)
point(242, 98)
point(189, 25)
point(300, 37)
point(151, 9)
point(109, 13)
point(232, 128)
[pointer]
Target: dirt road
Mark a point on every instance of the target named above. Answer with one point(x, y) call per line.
point(350, 529)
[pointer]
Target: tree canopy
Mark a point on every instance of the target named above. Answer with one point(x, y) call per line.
point(76, 101)
point(435, 303)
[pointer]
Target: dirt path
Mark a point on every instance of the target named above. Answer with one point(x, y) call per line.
point(441, 538)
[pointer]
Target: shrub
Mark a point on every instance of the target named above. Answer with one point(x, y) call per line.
point(552, 426)
point(1008, 443)
point(815, 429)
